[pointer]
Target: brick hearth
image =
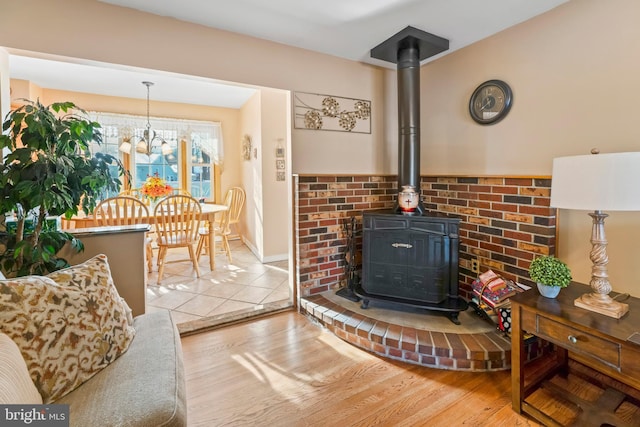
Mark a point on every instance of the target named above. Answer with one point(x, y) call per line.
point(490, 351)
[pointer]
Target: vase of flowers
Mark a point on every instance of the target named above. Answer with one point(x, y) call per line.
point(155, 188)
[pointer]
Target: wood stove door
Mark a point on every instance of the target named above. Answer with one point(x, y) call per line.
point(408, 264)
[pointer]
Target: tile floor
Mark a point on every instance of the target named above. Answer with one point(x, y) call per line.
point(233, 289)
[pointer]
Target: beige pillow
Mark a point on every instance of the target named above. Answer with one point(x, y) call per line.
point(16, 386)
point(68, 325)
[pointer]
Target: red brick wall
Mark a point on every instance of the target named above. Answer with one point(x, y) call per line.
point(505, 222)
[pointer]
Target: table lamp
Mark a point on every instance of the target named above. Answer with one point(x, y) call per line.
point(598, 182)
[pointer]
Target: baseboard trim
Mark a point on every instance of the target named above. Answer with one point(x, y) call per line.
point(263, 259)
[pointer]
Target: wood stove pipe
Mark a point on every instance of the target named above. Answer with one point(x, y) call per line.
point(408, 66)
point(406, 49)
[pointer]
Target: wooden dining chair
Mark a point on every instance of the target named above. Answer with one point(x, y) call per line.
point(234, 199)
point(133, 192)
point(181, 191)
point(177, 224)
point(221, 233)
point(125, 210)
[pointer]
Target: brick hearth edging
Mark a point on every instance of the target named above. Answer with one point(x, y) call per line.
point(490, 351)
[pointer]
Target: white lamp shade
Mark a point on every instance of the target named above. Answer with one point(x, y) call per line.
point(141, 147)
point(605, 182)
point(125, 147)
point(166, 148)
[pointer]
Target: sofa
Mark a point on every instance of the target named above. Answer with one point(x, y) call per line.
point(143, 387)
point(130, 375)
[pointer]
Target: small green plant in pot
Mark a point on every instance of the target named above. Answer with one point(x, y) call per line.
point(551, 275)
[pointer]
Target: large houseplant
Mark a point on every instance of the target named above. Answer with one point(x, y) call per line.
point(550, 274)
point(48, 172)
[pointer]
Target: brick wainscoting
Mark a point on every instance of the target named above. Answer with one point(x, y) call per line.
point(505, 222)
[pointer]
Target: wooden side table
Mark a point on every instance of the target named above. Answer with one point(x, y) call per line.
point(607, 345)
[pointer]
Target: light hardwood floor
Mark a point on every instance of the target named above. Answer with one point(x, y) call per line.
point(284, 370)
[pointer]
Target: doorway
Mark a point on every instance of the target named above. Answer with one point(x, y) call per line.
point(257, 265)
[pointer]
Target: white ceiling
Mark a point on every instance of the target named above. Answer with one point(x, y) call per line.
point(103, 79)
point(343, 28)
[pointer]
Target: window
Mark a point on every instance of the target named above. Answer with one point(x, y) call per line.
point(201, 165)
point(186, 162)
point(165, 165)
point(110, 144)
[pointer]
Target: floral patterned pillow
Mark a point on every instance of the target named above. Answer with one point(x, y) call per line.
point(68, 325)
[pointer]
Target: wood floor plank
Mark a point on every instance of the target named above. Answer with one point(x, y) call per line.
point(399, 401)
point(286, 371)
point(361, 393)
point(481, 400)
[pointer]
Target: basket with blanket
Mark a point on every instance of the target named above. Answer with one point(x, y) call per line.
point(490, 298)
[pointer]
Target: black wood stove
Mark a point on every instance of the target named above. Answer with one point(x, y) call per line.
point(410, 259)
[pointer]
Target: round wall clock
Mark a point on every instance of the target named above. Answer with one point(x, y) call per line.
point(490, 102)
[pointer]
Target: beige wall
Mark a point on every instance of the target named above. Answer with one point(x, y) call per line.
point(252, 221)
point(575, 87)
point(277, 211)
point(23, 89)
point(267, 211)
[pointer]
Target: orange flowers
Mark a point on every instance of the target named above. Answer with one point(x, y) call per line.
point(155, 187)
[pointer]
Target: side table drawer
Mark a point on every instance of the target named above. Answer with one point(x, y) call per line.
point(607, 352)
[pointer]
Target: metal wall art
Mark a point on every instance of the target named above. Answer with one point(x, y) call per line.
point(326, 112)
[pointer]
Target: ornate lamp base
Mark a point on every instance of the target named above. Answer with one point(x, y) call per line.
point(599, 300)
point(602, 304)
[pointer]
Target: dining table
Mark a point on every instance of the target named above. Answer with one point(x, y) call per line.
point(208, 213)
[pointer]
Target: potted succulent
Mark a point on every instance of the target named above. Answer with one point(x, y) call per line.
point(48, 172)
point(551, 275)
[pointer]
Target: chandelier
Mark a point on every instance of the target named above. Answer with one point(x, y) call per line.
point(149, 136)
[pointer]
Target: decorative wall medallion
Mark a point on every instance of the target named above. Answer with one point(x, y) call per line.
point(327, 112)
point(246, 147)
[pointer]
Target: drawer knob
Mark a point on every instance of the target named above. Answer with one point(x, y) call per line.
point(572, 339)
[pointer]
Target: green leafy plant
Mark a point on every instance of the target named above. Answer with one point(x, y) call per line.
point(49, 171)
point(549, 270)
